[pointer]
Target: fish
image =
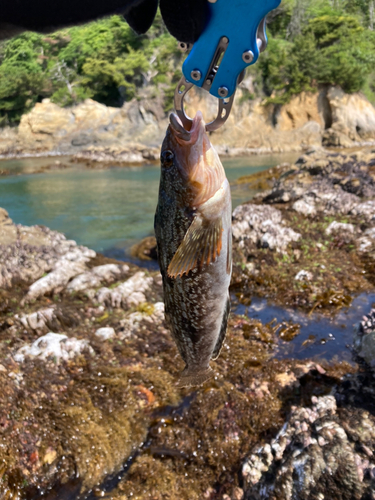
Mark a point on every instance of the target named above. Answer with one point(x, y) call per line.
point(193, 229)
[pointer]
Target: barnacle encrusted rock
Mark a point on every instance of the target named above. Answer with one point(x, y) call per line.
point(312, 457)
point(261, 225)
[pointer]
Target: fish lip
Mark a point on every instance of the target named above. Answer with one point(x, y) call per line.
point(183, 135)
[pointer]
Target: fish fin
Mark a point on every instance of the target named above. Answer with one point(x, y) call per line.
point(223, 331)
point(191, 378)
point(201, 245)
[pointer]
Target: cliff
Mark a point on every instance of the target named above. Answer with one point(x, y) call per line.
point(328, 117)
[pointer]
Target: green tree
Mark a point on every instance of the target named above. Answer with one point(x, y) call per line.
point(22, 79)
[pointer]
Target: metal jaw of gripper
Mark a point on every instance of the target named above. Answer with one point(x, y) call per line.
point(225, 106)
point(231, 41)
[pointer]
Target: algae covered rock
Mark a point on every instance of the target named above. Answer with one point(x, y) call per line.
point(130, 292)
point(105, 333)
point(317, 219)
point(64, 269)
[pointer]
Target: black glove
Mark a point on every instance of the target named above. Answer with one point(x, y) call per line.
point(185, 19)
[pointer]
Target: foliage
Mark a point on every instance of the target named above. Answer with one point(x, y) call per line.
point(330, 46)
point(312, 43)
point(103, 60)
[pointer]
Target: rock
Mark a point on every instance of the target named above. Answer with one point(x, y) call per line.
point(303, 276)
point(353, 119)
point(304, 196)
point(367, 241)
point(339, 227)
point(5, 220)
point(105, 333)
point(116, 154)
point(48, 126)
point(364, 338)
point(45, 319)
point(50, 456)
point(365, 209)
point(96, 276)
point(261, 225)
point(305, 206)
point(327, 182)
point(40, 319)
point(68, 266)
point(145, 249)
point(131, 323)
point(257, 128)
point(311, 457)
point(26, 253)
point(53, 345)
point(127, 294)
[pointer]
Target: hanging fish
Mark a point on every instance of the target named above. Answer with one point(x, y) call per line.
point(193, 227)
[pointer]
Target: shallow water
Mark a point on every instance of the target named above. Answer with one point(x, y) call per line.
point(320, 337)
point(108, 209)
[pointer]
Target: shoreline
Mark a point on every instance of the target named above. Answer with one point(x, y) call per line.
point(223, 151)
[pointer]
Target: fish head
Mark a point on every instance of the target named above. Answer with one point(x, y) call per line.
point(189, 157)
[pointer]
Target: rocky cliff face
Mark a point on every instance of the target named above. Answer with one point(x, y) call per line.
point(329, 117)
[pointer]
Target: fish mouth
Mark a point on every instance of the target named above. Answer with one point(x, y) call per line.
point(187, 137)
point(197, 160)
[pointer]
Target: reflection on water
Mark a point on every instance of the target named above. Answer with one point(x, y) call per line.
point(103, 209)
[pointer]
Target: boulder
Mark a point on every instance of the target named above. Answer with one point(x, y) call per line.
point(93, 278)
point(364, 338)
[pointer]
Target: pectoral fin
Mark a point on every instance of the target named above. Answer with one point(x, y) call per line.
point(201, 245)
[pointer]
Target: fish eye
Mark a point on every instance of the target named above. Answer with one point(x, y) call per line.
point(167, 157)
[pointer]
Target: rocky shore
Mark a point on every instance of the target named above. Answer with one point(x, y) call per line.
point(133, 134)
point(88, 366)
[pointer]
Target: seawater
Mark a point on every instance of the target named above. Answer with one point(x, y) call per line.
point(105, 209)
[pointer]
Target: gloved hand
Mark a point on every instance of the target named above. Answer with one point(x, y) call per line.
point(185, 19)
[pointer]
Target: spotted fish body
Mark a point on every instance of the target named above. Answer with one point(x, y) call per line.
point(194, 238)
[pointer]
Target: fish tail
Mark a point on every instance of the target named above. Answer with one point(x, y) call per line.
point(192, 378)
